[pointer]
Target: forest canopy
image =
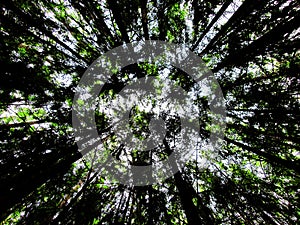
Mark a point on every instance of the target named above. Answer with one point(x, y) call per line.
point(252, 48)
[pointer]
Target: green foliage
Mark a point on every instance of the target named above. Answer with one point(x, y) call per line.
point(47, 45)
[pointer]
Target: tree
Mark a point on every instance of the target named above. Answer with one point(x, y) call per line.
point(252, 48)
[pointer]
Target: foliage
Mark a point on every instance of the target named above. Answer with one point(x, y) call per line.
point(251, 46)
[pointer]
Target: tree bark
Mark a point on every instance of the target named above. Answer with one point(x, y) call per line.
point(214, 20)
point(243, 11)
point(145, 19)
point(274, 160)
point(260, 45)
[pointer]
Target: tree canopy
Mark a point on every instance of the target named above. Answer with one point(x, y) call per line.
point(252, 47)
